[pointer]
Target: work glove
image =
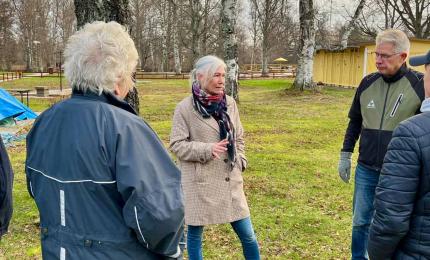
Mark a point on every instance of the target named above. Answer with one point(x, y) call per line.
point(344, 167)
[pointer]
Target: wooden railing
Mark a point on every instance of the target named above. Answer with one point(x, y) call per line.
point(5, 76)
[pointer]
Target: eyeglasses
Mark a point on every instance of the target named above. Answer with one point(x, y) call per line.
point(383, 56)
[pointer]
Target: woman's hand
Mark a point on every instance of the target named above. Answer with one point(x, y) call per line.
point(219, 148)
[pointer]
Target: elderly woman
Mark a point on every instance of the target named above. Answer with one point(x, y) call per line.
point(207, 138)
point(104, 185)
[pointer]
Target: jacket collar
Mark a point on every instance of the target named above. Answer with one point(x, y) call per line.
point(425, 106)
point(105, 97)
point(399, 74)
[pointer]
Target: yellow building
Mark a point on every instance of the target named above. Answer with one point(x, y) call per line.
point(348, 67)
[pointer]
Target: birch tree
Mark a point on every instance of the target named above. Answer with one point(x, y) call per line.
point(304, 73)
point(228, 24)
point(351, 24)
point(107, 10)
point(175, 37)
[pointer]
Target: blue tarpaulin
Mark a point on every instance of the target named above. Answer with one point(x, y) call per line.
point(11, 107)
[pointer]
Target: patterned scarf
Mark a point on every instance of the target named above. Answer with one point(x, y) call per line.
point(216, 106)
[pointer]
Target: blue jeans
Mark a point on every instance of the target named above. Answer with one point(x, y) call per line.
point(244, 231)
point(362, 209)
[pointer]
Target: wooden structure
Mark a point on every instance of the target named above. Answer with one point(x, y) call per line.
point(349, 66)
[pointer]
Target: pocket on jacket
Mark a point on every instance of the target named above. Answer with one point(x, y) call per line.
point(199, 175)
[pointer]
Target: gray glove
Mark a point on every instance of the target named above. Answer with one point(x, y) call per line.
point(344, 167)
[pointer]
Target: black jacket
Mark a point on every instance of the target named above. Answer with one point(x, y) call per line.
point(105, 186)
point(6, 182)
point(401, 224)
point(379, 105)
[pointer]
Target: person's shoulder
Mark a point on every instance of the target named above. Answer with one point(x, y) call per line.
point(372, 76)
point(185, 103)
point(416, 74)
point(368, 80)
point(418, 125)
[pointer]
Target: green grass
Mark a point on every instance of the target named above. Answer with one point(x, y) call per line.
point(300, 209)
point(52, 82)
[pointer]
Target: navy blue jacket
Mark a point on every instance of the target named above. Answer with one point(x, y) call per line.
point(401, 225)
point(6, 181)
point(103, 182)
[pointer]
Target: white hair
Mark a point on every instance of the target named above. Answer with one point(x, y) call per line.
point(206, 66)
point(396, 37)
point(99, 56)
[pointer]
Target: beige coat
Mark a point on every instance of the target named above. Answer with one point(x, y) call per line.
point(213, 192)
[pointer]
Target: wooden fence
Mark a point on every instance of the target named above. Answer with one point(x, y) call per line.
point(5, 76)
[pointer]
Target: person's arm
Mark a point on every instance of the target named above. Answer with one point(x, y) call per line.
point(395, 194)
point(182, 146)
point(351, 135)
point(240, 142)
point(354, 126)
point(150, 185)
point(6, 182)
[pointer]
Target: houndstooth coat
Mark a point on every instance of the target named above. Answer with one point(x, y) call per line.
point(213, 192)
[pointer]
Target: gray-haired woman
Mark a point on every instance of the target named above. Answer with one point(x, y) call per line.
point(105, 186)
point(207, 138)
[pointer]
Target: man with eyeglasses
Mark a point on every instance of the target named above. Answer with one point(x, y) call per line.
point(382, 100)
point(401, 225)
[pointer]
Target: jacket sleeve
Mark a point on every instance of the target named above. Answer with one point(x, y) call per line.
point(182, 146)
point(395, 194)
point(149, 183)
point(240, 142)
point(6, 182)
point(355, 121)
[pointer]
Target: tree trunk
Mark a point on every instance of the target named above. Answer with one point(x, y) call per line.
point(106, 10)
point(350, 26)
point(265, 59)
point(195, 28)
point(228, 23)
point(304, 75)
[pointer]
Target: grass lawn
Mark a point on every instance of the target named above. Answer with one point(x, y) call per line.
point(51, 81)
point(300, 208)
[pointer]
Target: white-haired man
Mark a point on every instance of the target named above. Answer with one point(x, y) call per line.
point(382, 100)
point(104, 184)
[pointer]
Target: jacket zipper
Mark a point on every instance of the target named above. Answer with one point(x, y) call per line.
point(380, 125)
point(396, 105)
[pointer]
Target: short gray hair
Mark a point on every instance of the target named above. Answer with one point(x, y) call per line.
point(206, 66)
point(396, 37)
point(99, 56)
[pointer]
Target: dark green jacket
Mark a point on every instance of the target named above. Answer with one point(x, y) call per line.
point(379, 105)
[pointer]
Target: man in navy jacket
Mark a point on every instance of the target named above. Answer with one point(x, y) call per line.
point(401, 224)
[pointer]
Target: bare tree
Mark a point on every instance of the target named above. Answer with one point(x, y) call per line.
point(414, 15)
point(370, 22)
point(107, 10)
point(175, 37)
point(268, 13)
point(304, 74)
point(228, 24)
point(7, 42)
point(351, 24)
